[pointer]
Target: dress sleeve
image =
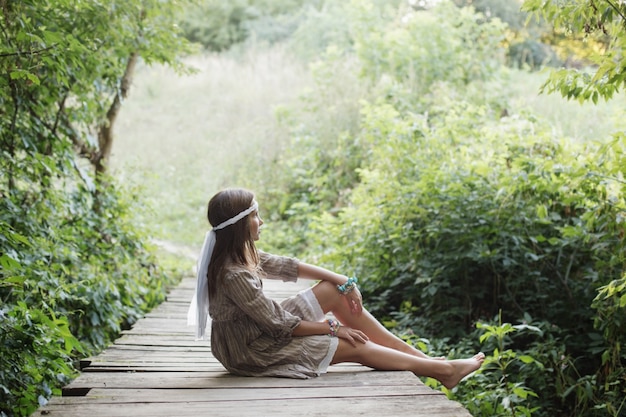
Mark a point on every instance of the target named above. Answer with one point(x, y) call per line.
point(244, 289)
point(279, 267)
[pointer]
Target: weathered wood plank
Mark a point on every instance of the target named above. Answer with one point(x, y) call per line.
point(154, 356)
point(174, 357)
point(153, 367)
point(117, 348)
point(397, 406)
point(90, 380)
point(151, 395)
point(159, 340)
point(148, 367)
point(223, 379)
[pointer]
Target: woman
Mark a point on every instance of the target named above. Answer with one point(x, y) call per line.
point(256, 336)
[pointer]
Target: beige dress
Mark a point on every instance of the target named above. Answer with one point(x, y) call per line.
point(251, 333)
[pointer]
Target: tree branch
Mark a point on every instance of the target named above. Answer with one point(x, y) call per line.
point(617, 9)
point(21, 53)
point(82, 148)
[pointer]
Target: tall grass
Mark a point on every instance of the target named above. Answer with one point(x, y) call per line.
point(182, 137)
point(580, 122)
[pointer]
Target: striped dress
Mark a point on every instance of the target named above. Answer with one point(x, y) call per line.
point(251, 333)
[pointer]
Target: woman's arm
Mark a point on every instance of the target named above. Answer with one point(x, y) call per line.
point(311, 328)
point(318, 273)
point(290, 269)
point(353, 298)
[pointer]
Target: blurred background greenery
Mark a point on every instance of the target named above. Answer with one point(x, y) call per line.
point(265, 67)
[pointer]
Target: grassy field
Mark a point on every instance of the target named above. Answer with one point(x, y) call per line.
point(584, 122)
point(182, 137)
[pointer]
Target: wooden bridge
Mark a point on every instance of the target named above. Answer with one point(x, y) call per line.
point(158, 369)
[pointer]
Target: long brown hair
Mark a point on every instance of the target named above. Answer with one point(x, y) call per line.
point(233, 243)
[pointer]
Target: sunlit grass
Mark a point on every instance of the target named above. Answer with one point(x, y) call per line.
point(183, 136)
point(583, 122)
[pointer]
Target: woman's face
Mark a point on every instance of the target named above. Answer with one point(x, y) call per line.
point(255, 224)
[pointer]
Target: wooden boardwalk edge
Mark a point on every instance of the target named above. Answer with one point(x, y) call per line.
point(158, 369)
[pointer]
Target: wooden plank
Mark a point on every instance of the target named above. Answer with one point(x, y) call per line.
point(145, 358)
point(225, 380)
point(151, 395)
point(397, 406)
point(159, 340)
point(148, 367)
point(154, 356)
point(156, 348)
point(162, 367)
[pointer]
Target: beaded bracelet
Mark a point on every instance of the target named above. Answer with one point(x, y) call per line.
point(334, 327)
point(348, 286)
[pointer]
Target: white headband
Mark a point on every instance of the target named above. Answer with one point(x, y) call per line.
point(199, 309)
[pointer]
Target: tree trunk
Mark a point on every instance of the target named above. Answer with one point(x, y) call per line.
point(105, 132)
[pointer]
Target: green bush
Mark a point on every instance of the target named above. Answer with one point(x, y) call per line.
point(218, 25)
point(531, 53)
point(455, 221)
point(72, 278)
point(36, 357)
point(408, 53)
point(317, 165)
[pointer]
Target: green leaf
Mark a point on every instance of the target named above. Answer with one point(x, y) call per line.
point(542, 211)
point(8, 263)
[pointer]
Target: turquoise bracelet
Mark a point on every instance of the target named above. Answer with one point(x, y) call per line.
point(348, 286)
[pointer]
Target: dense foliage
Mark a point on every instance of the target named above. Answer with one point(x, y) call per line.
point(312, 25)
point(218, 25)
point(471, 227)
point(75, 266)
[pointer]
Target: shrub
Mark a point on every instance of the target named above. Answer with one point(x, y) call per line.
point(72, 277)
point(458, 221)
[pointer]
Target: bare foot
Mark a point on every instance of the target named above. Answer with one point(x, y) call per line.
point(462, 368)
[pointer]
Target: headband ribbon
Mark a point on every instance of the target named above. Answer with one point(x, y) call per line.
point(199, 309)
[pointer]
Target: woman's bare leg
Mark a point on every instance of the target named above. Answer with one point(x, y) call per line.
point(332, 301)
point(448, 372)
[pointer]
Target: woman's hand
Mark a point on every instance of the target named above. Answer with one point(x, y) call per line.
point(355, 301)
point(353, 336)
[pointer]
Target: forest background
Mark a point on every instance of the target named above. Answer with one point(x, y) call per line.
point(402, 142)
